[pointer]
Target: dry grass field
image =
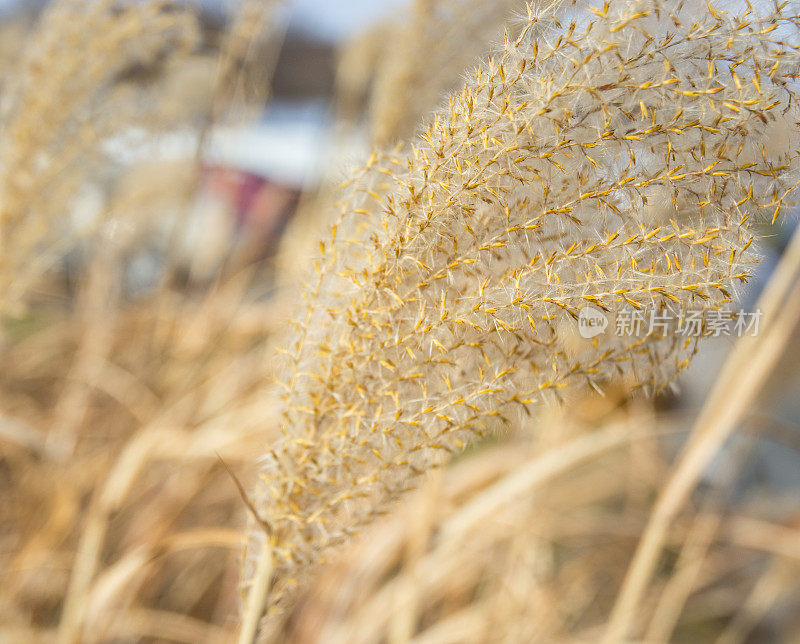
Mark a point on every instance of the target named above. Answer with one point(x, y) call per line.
point(517, 361)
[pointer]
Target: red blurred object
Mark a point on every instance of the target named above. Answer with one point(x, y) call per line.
point(261, 207)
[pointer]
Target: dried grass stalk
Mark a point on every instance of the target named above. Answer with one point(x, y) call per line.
point(68, 97)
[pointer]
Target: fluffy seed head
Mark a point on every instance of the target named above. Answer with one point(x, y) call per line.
point(612, 156)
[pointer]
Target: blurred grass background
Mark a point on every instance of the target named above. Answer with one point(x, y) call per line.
point(138, 359)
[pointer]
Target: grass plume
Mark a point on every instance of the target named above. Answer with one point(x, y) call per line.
point(611, 156)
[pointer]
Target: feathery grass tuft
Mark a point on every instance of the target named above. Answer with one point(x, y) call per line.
point(611, 156)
